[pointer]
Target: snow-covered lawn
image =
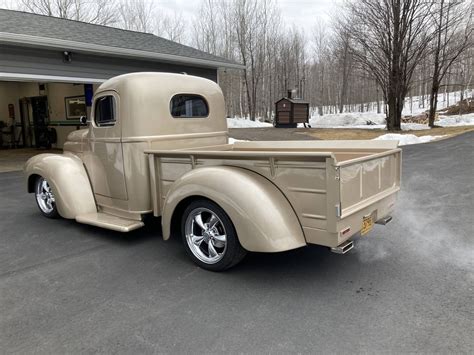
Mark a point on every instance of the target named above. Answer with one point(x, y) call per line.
point(349, 119)
point(357, 120)
point(360, 119)
point(413, 105)
point(456, 120)
point(245, 123)
point(405, 139)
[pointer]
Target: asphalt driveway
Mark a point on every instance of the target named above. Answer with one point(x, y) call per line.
point(407, 287)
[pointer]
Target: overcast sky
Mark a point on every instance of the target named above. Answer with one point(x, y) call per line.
point(302, 13)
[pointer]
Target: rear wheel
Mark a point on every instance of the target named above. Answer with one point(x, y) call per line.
point(209, 236)
point(45, 198)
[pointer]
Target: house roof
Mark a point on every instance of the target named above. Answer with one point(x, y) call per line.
point(24, 28)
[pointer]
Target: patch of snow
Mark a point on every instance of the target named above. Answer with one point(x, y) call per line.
point(358, 120)
point(412, 105)
point(351, 119)
point(405, 139)
point(456, 120)
point(245, 123)
point(233, 140)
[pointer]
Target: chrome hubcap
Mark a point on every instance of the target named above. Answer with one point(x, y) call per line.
point(44, 196)
point(206, 235)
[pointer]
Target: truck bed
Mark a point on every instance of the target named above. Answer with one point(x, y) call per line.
point(331, 185)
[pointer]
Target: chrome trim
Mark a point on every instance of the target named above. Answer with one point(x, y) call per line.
point(384, 221)
point(343, 248)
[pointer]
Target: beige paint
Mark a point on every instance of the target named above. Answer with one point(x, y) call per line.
point(306, 173)
point(68, 180)
point(247, 198)
point(279, 195)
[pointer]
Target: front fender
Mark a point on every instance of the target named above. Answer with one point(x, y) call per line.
point(68, 180)
point(263, 218)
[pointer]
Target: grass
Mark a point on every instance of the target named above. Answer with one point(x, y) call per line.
point(349, 134)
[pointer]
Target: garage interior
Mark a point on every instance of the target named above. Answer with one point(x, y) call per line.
point(50, 68)
point(38, 116)
point(41, 115)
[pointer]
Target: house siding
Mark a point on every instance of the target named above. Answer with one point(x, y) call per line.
point(35, 61)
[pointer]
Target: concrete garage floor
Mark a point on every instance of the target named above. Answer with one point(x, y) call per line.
point(407, 287)
point(15, 159)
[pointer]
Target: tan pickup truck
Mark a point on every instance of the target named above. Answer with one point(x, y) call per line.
point(157, 144)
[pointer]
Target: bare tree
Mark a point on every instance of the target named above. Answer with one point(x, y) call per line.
point(100, 12)
point(321, 49)
point(171, 26)
point(136, 15)
point(390, 36)
point(252, 21)
point(343, 54)
point(453, 36)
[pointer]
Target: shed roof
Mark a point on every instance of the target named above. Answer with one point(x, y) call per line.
point(294, 101)
point(24, 28)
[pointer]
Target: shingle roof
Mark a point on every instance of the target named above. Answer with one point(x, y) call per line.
point(24, 23)
point(295, 101)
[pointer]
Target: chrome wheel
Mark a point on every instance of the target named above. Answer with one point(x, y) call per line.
point(205, 235)
point(45, 196)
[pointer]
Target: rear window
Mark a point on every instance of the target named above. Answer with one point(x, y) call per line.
point(104, 112)
point(188, 106)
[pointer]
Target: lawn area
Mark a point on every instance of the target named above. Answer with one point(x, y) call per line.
point(352, 133)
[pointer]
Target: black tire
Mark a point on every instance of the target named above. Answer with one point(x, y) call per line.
point(49, 212)
point(231, 254)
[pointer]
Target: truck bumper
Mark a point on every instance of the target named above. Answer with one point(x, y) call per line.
point(349, 226)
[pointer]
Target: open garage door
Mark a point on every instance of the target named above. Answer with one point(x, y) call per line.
point(41, 110)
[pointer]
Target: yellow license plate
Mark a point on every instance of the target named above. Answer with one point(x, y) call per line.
point(367, 224)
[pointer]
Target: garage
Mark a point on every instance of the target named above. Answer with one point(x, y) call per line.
point(50, 68)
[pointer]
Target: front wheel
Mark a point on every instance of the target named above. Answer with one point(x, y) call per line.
point(45, 198)
point(209, 236)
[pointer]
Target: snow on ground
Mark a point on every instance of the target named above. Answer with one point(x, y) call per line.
point(233, 140)
point(405, 139)
point(351, 119)
point(245, 123)
point(359, 120)
point(412, 106)
point(456, 120)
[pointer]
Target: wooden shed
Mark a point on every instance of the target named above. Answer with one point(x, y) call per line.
point(289, 112)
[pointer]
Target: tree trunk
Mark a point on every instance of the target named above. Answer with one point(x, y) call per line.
point(433, 104)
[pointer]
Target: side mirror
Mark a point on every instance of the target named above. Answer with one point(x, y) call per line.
point(83, 120)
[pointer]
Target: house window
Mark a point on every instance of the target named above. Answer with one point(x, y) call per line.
point(188, 106)
point(75, 107)
point(104, 113)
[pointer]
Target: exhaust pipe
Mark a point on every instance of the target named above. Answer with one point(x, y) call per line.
point(384, 220)
point(343, 248)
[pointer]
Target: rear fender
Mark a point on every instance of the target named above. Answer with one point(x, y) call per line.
point(68, 180)
point(263, 218)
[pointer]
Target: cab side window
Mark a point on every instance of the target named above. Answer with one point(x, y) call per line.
point(188, 106)
point(104, 112)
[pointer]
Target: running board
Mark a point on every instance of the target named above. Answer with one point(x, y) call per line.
point(108, 221)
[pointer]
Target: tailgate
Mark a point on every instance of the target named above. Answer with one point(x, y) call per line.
point(366, 180)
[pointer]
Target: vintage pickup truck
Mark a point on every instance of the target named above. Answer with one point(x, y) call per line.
point(157, 144)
